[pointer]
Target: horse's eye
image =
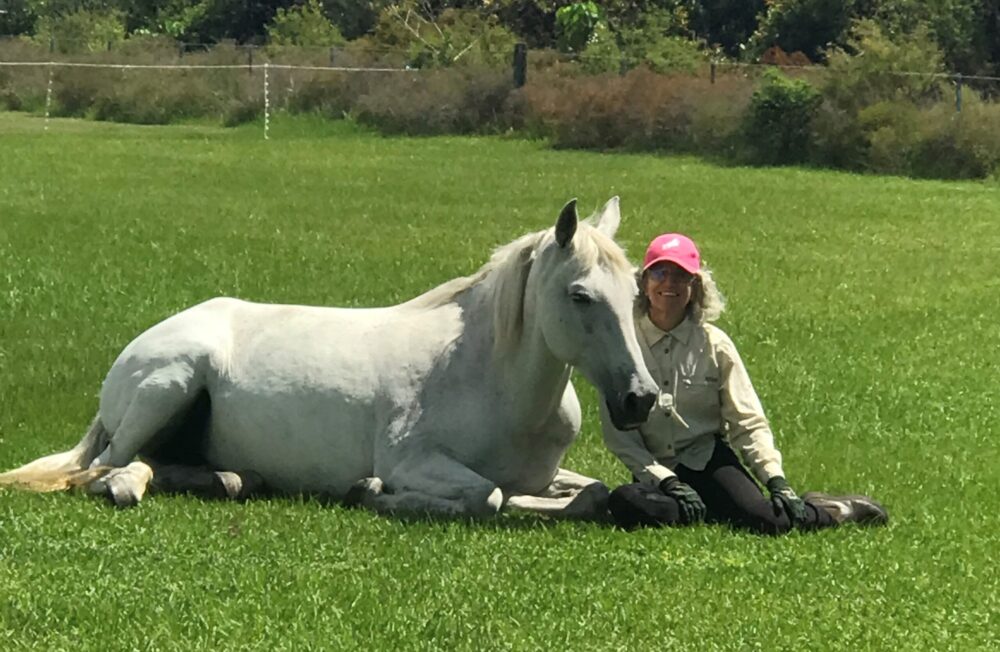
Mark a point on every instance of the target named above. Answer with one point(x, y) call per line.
point(581, 297)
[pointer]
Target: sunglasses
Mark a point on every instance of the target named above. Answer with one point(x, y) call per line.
point(661, 273)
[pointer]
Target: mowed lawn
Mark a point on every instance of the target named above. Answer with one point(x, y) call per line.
point(866, 309)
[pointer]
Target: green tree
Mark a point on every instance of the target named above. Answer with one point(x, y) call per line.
point(304, 25)
point(17, 17)
point(726, 23)
point(576, 24)
point(807, 26)
point(874, 67)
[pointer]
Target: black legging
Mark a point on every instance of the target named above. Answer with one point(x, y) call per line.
point(730, 495)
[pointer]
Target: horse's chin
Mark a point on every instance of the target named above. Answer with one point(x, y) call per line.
point(620, 422)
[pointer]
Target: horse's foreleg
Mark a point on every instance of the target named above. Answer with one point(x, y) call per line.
point(124, 486)
point(429, 483)
point(203, 482)
point(569, 495)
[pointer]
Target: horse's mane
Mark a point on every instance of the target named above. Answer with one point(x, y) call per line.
point(507, 272)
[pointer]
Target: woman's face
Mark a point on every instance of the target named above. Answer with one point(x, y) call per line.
point(669, 288)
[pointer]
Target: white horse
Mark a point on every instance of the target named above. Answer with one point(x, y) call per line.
point(457, 402)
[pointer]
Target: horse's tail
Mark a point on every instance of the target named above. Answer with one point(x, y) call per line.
point(62, 470)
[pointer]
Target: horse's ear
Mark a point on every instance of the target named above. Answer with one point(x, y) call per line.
point(566, 224)
point(609, 218)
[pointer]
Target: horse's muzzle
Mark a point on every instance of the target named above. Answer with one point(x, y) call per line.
point(631, 409)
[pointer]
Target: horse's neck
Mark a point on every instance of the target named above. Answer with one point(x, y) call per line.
point(530, 379)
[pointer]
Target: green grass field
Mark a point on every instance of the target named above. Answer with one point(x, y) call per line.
point(865, 308)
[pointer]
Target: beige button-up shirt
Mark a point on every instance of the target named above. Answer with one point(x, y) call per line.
point(704, 391)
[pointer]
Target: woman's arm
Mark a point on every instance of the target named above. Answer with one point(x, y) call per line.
point(630, 448)
point(749, 432)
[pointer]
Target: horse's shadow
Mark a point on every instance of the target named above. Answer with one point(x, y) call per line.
point(503, 521)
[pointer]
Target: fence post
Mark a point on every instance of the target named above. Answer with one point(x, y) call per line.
point(333, 54)
point(249, 59)
point(958, 92)
point(520, 64)
point(712, 72)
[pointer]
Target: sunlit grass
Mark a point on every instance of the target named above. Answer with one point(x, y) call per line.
point(866, 309)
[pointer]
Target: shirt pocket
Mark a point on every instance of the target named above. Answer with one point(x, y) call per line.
point(698, 399)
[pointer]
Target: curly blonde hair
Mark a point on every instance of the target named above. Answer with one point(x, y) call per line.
point(706, 305)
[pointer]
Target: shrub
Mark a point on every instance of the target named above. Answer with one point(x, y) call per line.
point(457, 101)
point(602, 53)
point(576, 25)
point(955, 145)
point(652, 42)
point(160, 99)
point(838, 139)
point(890, 129)
point(304, 25)
point(642, 110)
point(74, 90)
point(807, 26)
point(778, 124)
point(81, 31)
point(332, 94)
point(456, 37)
point(881, 69)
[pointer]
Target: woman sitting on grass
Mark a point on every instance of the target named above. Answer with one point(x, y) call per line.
point(682, 459)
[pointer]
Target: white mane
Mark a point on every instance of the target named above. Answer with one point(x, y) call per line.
point(507, 270)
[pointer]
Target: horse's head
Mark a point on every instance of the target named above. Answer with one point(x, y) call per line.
point(584, 291)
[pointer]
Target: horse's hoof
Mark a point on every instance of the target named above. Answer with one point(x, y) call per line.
point(126, 487)
point(362, 488)
point(239, 486)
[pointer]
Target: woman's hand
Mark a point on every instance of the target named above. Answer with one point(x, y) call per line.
point(784, 497)
point(692, 508)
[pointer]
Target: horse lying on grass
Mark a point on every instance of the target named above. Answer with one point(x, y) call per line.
point(457, 402)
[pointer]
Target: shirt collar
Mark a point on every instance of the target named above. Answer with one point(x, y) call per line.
point(653, 333)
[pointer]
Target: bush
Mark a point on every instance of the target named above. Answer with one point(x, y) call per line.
point(456, 37)
point(457, 101)
point(652, 42)
point(955, 145)
point(807, 26)
point(576, 25)
point(881, 70)
point(145, 99)
point(304, 25)
point(838, 139)
point(778, 124)
point(642, 110)
point(891, 131)
point(81, 31)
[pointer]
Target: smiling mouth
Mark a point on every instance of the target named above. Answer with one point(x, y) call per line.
point(668, 294)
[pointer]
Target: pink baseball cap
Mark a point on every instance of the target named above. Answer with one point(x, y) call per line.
point(675, 248)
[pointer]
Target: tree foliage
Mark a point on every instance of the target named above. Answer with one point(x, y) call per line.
point(966, 32)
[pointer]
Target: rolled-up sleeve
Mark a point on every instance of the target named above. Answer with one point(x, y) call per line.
point(631, 449)
point(748, 430)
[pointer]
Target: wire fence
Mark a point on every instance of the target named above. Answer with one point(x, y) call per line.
point(264, 63)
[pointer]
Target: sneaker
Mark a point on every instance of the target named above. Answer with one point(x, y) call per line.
point(849, 509)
